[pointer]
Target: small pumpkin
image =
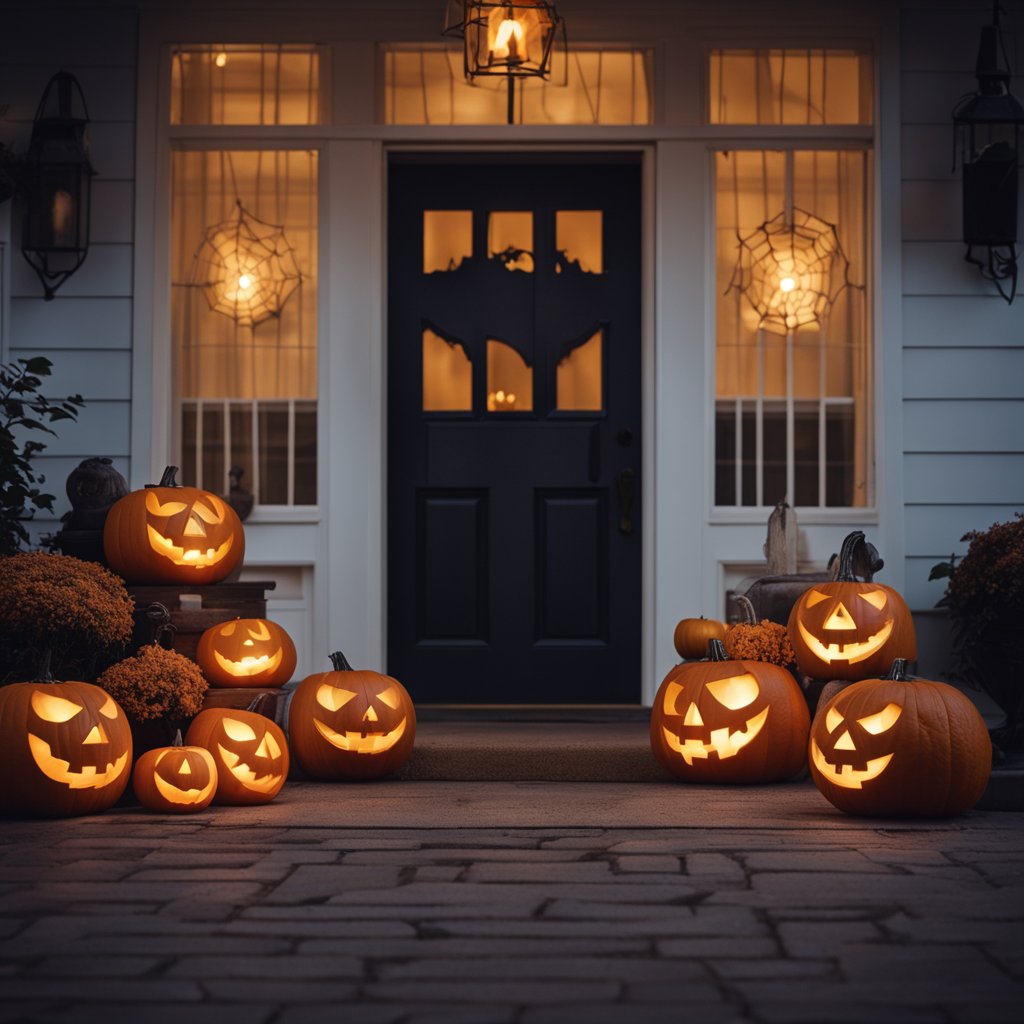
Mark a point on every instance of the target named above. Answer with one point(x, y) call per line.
point(250, 751)
point(900, 746)
point(175, 779)
point(65, 747)
point(346, 724)
point(246, 652)
point(165, 533)
point(720, 720)
point(691, 636)
point(848, 628)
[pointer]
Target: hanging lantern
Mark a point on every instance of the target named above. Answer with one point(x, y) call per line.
point(790, 269)
point(55, 229)
point(987, 125)
point(246, 268)
point(515, 39)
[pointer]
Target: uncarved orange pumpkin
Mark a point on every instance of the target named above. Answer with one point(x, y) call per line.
point(900, 746)
point(691, 636)
point(175, 779)
point(250, 751)
point(346, 724)
point(171, 534)
point(848, 628)
point(246, 652)
point(729, 721)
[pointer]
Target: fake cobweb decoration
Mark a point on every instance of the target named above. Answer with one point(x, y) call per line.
point(246, 268)
point(791, 270)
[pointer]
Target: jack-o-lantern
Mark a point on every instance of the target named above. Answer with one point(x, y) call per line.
point(250, 751)
point(850, 629)
point(246, 652)
point(65, 747)
point(691, 636)
point(346, 724)
point(175, 779)
point(729, 721)
point(170, 534)
point(899, 746)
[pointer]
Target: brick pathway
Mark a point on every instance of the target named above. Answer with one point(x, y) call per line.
point(528, 903)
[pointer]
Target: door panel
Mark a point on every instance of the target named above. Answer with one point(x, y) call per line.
point(513, 420)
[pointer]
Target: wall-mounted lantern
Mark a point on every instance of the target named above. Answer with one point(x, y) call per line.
point(515, 39)
point(987, 125)
point(55, 228)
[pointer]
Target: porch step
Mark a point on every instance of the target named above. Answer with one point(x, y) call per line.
point(532, 751)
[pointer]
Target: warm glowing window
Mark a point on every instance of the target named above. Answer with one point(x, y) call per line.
point(793, 355)
point(595, 86)
point(243, 319)
point(246, 84)
point(510, 238)
point(509, 379)
point(790, 86)
point(447, 375)
point(578, 377)
point(578, 239)
point(447, 239)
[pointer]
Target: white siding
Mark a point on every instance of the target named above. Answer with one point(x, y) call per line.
point(963, 346)
point(86, 329)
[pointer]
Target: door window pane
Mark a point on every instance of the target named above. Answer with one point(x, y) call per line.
point(509, 379)
point(578, 239)
point(510, 239)
point(578, 377)
point(447, 239)
point(447, 375)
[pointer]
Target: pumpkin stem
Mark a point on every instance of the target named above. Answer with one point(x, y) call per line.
point(850, 544)
point(897, 671)
point(747, 607)
point(340, 662)
point(178, 741)
point(168, 479)
point(44, 675)
point(716, 651)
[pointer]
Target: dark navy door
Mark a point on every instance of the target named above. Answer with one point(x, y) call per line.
point(514, 447)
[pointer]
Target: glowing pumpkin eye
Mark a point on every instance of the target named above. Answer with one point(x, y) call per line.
point(109, 708)
point(238, 731)
point(878, 598)
point(813, 597)
point(833, 719)
point(883, 720)
point(54, 709)
point(735, 692)
point(260, 633)
point(672, 692)
point(228, 629)
point(333, 697)
point(389, 697)
point(170, 508)
point(208, 515)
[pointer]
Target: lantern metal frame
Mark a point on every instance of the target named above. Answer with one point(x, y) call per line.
point(471, 21)
point(58, 192)
point(987, 127)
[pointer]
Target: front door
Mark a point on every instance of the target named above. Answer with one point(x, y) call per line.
point(514, 430)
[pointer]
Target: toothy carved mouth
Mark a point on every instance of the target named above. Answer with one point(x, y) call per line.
point(174, 795)
point(724, 743)
point(59, 770)
point(846, 775)
point(850, 653)
point(249, 666)
point(246, 775)
point(359, 742)
point(194, 557)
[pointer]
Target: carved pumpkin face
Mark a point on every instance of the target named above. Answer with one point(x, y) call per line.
point(900, 747)
point(246, 652)
point(68, 745)
point(175, 780)
point(250, 751)
point(729, 721)
point(171, 534)
point(347, 724)
point(850, 630)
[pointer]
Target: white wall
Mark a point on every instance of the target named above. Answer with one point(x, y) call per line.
point(963, 346)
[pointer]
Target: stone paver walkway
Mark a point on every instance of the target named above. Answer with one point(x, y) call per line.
point(532, 903)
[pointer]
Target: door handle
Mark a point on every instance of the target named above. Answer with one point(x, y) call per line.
point(625, 484)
